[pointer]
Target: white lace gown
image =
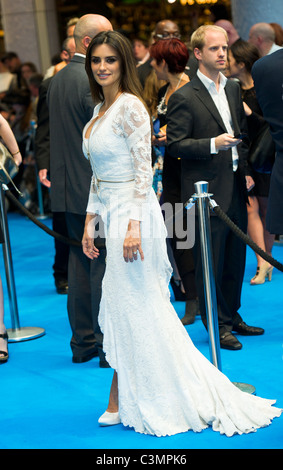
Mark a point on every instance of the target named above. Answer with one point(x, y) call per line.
point(166, 386)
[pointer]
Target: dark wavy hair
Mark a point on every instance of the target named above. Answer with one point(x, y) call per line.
point(130, 82)
point(173, 51)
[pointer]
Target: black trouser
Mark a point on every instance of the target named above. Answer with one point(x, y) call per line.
point(60, 266)
point(84, 293)
point(185, 262)
point(229, 258)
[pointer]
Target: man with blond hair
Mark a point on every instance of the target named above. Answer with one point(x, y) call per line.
point(70, 108)
point(203, 118)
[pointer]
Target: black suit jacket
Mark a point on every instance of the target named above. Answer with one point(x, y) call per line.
point(268, 81)
point(42, 141)
point(70, 108)
point(267, 74)
point(143, 71)
point(192, 120)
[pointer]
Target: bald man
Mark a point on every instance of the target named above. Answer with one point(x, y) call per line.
point(230, 29)
point(262, 36)
point(70, 108)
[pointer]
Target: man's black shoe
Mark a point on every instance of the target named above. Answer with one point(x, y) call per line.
point(103, 364)
point(81, 359)
point(61, 286)
point(192, 309)
point(245, 330)
point(228, 341)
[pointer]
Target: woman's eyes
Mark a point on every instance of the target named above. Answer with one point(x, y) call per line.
point(111, 60)
point(108, 60)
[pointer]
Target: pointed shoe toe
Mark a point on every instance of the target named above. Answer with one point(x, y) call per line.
point(4, 355)
point(109, 419)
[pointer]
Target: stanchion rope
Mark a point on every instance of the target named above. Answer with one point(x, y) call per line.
point(44, 227)
point(245, 238)
point(216, 209)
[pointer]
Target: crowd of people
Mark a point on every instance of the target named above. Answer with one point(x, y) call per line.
point(264, 39)
point(152, 118)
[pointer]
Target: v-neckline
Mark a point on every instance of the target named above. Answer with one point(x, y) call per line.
point(97, 118)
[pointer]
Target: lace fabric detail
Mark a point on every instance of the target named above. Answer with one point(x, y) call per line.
point(166, 386)
point(128, 150)
point(137, 131)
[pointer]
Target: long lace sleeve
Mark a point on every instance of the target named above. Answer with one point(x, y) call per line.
point(137, 131)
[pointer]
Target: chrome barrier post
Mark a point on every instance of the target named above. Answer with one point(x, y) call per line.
point(201, 188)
point(16, 333)
point(8, 266)
point(204, 202)
point(30, 150)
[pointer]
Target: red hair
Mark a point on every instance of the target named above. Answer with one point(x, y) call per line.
point(173, 51)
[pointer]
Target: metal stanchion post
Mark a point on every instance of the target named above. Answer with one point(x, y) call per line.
point(208, 275)
point(30, 150)
point(202, 197)
point(16, 333)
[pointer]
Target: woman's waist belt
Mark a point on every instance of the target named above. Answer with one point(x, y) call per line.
point(99, 182)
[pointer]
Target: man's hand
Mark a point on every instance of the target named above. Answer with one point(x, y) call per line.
point(42, 174)
point(226, 141)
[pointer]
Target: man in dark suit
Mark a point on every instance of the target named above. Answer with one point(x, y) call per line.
point(42, 156)
point(70, 108)
point(202, 119)
point(267, 74)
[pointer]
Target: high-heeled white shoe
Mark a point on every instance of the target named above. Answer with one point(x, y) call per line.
point(262, 273)
point(109, 419)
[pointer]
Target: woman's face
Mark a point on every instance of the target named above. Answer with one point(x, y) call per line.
point(234, 68)
point(26, 72)
point(160, 69)
point(105, 66)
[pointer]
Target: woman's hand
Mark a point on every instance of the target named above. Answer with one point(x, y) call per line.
point(88, 246)
point(18, 158)
point(132, 242)
point(250, 183)
point(159, 141)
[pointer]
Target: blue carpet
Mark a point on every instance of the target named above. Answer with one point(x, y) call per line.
point(47, 402)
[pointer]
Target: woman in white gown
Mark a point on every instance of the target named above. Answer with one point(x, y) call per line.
point(162, 385)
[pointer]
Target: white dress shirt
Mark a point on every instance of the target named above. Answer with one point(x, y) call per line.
point(220, 100)
point(274, 48)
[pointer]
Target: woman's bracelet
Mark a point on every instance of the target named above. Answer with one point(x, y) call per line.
point(15, 153)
